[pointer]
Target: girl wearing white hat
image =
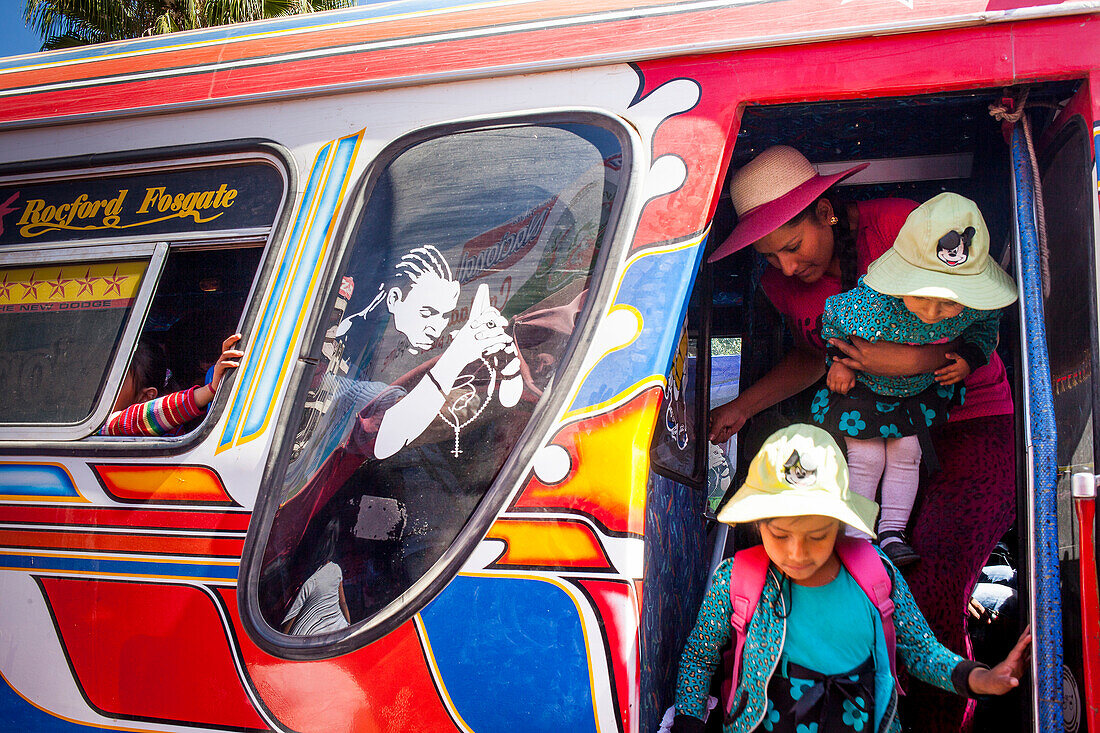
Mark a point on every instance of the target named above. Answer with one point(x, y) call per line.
point(815, 653)
point(936, 284)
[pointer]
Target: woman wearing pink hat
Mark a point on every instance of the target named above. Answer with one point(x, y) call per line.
point(817, 247)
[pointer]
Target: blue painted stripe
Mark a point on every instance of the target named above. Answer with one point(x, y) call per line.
point(512, 656)
point(18, 714)
point(36, 480)
point(261, 337)
point(657, 285)
point(117, 567)
point(1096, 148)
point(286, 326)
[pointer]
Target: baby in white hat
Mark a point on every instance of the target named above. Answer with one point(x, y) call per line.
point(937, 284)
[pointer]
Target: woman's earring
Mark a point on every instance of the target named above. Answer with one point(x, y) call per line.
point(833, 221)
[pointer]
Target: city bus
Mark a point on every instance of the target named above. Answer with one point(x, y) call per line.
point(460, 479)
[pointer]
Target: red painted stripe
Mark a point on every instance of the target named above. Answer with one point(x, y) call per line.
point(673, 25)
point(1090, 611)
point(150, 651)
point(307, 40)
point(150, 544)
point(619, 622)
point(988, 59)
point(144, 518)
point(385, 686)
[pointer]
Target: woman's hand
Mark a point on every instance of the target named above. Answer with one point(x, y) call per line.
point(1006, 675)
point(727, 419)
point(797, 370)
point(978, 612)
point(888, 359)
point(955, 372)
point(840, 379)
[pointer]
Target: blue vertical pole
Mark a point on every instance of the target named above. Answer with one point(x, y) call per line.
point(1047, 623)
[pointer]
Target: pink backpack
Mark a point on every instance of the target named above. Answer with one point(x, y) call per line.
point(750, 570)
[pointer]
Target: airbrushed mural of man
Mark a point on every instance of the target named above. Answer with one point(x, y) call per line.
point(420, 295)
point(454, 374)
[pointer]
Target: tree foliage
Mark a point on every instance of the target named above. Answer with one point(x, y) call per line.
point(69, 23)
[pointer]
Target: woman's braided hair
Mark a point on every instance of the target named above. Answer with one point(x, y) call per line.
point(844, 239)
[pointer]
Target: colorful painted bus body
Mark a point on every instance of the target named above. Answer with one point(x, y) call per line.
point(517, 531)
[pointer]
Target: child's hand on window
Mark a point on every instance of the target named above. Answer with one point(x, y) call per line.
point(954, 372)
point(229, 359)
point(840, 378)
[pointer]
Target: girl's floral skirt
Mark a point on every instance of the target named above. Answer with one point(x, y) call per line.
point(863, 414)
point(802, 700)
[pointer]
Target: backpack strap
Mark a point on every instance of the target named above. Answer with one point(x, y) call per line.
point(869, 570)
point(747, 576)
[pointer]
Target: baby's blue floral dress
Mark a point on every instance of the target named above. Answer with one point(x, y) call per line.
point(893, 407)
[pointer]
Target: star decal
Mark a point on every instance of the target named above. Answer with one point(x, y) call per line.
point(5, 287)
point(31, 286)
point(85, 283)
point(114, 282)
point(57, 286)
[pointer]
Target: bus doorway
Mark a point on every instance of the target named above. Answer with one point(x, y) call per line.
point(919, 147)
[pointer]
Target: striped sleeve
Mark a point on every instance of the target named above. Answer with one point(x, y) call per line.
point(155, 417)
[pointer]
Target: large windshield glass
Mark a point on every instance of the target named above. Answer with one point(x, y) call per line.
point(466, 277)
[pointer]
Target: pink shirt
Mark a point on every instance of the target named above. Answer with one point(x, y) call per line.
point(987, 389)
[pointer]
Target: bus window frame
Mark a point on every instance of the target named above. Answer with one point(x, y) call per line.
point(168, 159)
point(615, 246)
point(156, 254)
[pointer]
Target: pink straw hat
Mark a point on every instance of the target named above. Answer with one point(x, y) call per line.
point(769, 191)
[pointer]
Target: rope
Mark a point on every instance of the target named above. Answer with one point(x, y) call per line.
point(1002, 114)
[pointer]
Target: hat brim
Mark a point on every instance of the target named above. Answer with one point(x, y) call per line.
point(750, 505)
point(990, 289)
point(766, 218)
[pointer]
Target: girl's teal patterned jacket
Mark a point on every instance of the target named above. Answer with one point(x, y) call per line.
point(917, 649)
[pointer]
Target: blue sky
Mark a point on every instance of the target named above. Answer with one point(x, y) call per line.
point(15, 38)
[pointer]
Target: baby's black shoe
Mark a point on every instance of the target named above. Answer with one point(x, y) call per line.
point(898, 549)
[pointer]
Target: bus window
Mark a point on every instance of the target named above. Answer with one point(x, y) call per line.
point(92, 261)
point(199, 301)
point(63, 318)
point(463, 281)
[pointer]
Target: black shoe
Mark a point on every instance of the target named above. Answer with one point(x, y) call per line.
point(899, 552)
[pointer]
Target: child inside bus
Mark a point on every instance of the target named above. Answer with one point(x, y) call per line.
point(138, 411)
point(937, 283)
point(816, 652)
